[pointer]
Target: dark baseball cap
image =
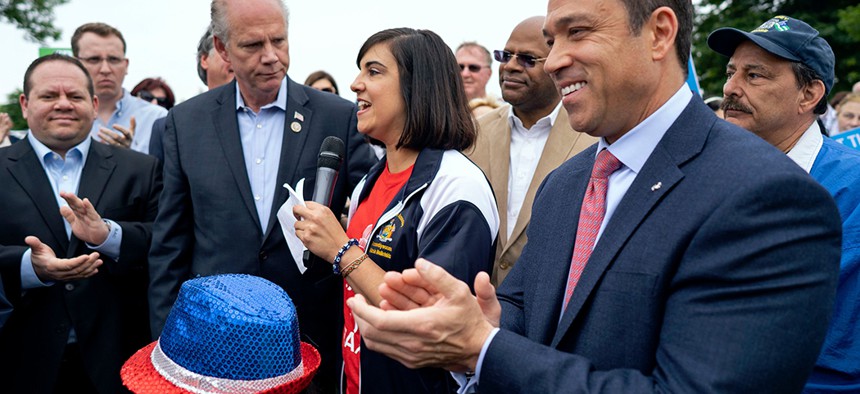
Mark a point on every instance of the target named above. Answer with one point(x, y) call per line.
point(786, 37)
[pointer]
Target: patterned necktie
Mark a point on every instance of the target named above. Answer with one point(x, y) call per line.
point(590, 218)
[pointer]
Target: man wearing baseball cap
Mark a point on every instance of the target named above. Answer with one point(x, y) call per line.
point(777, 81)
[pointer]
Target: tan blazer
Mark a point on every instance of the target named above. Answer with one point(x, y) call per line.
point(491, 152)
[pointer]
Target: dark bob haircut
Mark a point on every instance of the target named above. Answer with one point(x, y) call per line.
point(437, 112)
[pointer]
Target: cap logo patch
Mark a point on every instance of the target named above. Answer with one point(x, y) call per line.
point(778, 23)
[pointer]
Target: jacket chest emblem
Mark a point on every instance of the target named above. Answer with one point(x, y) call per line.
point(382, 241)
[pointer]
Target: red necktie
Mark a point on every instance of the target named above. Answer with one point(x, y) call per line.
point(590, 218)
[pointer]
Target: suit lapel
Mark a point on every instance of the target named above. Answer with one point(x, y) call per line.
point(27, 170)
point(564, 219)
point(679, 144)
point(227, 129)
point(293, 146)
point(95, 176)
point(500, 167)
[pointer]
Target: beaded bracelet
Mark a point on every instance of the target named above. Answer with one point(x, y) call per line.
point(336, 267)
point(353, 265)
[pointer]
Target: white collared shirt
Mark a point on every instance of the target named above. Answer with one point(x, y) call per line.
point(526, 150)
point(807, 147)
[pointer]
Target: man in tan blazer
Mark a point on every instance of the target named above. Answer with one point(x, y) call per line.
point(519, 144)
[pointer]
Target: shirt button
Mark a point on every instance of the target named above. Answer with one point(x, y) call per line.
point(259, 161)
point(70, 286)
point(65, 177)
point(257, 198)
point(259, 126)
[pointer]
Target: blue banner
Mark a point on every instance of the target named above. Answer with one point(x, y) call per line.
point(850, 138)
point(692, 78)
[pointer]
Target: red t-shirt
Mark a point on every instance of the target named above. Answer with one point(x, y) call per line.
point(360, 226)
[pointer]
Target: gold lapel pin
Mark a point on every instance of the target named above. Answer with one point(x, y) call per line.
point(296, 127)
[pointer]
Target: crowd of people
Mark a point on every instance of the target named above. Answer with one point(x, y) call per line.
point(597, 228)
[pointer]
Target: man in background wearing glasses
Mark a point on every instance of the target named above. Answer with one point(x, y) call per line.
point(474, 61)
point(123, 119)
point(519, 144)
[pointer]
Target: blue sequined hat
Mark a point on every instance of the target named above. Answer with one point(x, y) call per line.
point(786, 37)
point(226, 334)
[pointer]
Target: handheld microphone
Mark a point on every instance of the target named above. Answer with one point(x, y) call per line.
point(328, 165)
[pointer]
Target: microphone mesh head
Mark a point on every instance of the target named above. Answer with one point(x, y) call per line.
point(331, 153)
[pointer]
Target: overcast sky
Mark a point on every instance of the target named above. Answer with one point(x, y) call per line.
point(162, 35)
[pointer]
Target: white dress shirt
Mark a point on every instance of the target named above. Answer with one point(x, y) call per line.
point(807, 147)
point(526, 150)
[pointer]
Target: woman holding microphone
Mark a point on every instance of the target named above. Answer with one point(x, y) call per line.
point(423, 199)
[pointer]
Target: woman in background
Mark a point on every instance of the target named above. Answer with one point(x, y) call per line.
point(848, 113)
point(424, 199)
point(156, 91)
point(323, 81)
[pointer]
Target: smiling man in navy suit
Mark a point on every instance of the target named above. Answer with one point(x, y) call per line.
point(678, 254)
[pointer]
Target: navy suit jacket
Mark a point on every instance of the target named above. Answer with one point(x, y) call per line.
point(721, 279)
point(156, 144)
point(107, 310)
point(208, 223)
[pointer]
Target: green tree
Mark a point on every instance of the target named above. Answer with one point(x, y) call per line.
point(838, 21)
point(14, 110)
point(35, 17)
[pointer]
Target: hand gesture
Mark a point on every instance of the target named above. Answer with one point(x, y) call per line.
point(123, 139)
point(50, 268)
point(446, 328)
point(5, 125)
point(319, 230)
point(86, 223)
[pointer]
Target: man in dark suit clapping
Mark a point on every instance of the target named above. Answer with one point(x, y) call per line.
point(77, 282)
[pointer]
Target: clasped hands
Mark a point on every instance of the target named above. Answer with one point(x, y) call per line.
point(88, 226)
point(428, 318)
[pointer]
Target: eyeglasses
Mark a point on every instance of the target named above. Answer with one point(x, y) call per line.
point(112, 61)
point(527, 61)
point(472, 67)
point(147, 96)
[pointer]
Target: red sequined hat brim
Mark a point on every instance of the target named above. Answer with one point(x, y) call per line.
point(140, 376)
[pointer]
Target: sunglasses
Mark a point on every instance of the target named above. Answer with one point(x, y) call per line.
point(145, 95)
point(527, 61)
point(472, 67)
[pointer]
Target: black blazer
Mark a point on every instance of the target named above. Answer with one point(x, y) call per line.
point(209, 225)
point(720, 279)
point(108, 310)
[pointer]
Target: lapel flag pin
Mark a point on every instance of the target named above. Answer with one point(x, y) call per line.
point(656, 186)
point(299, 116)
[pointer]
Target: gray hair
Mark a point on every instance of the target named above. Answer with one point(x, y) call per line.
point(204, 48)
point(220, 26)
point(484, 52)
